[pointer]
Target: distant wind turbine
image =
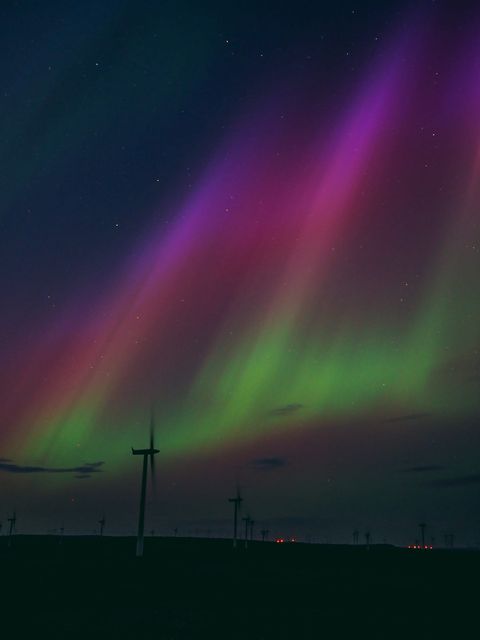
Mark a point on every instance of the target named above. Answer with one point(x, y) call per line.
point(264, 533)
point(146, 453)
point(422, 526)
point(237, 504)
point(102, 524)
point(13, 527)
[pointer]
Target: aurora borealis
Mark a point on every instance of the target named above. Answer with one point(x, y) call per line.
point(276, 246)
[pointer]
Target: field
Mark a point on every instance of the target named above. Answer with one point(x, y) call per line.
point(91, 587)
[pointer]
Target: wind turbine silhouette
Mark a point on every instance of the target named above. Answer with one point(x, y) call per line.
point(422, 527)
point(102, 524)
point(264, 533)
point(146, 453)
point(13, 527)
point(237, 503)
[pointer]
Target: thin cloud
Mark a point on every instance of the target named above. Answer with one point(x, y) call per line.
point(287, 409)
point(268, 464)
point(94, 465)
point(458, 481)
point(82, 471)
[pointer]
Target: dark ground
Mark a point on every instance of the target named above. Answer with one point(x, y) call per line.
point(188, 589)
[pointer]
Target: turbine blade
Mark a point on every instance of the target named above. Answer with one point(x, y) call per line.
point(152, 471)
point(152, 429)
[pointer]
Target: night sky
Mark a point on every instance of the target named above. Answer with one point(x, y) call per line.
point(262, 220)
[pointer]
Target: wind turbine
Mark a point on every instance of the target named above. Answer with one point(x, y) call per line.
point(422, 526)
point(264, 533)
point(237, 503)
point(355, 537)
point(146, 453)
point(102, 524)
point(13, 527)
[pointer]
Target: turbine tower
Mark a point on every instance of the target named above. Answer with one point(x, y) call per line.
point(146, 453)
point(237, 503)
point(355, 537)
point(13, 527)
point(102, 525)
point(264, 533)
point(422, 526)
